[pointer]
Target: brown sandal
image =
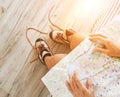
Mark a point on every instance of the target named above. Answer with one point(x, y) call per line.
point(42, 49)
point(59, 37)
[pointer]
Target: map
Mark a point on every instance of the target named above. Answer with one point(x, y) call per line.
point(103, 70)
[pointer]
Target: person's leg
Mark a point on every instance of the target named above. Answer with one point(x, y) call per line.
point(49, 59)
point(67, 37)
point(45, 55)
point(74, 38)
point(52, 60)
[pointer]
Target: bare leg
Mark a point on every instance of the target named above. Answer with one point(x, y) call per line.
point(74, 39)
point(52, 60)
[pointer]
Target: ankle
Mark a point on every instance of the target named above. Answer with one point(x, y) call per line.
point(46, 59)
point(69, 33)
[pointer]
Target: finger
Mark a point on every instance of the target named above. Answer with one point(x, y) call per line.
point(71, 83)
point(99, 39)
point(89, 85)
point(78, 82)
point(69, 86)
point(92, 35)
point(101, 50)
point(96, 38)
point(70, 77)
point(74, 82)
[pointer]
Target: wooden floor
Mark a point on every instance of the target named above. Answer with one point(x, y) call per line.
point(19, 78)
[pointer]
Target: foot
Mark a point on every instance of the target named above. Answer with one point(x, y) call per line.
point(59, 37)
point(42, 49)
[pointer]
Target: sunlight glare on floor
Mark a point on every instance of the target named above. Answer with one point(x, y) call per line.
point(85, 7)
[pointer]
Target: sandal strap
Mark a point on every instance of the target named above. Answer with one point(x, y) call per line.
point(44, 50)
point(43, 54)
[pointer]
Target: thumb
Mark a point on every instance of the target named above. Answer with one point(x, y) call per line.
point(101, 50)
point(89, 85)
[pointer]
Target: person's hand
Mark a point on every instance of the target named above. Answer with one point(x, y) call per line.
point(78, 89)
point(109, 46)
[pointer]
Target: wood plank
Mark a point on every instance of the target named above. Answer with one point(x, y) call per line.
point(19, 78)
point(44, 93)
point(11, 61)
point(28, 82)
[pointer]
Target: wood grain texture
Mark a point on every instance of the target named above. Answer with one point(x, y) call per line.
point(19, 78)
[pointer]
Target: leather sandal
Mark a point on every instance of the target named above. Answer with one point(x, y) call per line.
point(59, 36)
point(42, 49)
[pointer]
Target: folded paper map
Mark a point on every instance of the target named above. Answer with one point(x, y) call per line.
point(103, 70)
